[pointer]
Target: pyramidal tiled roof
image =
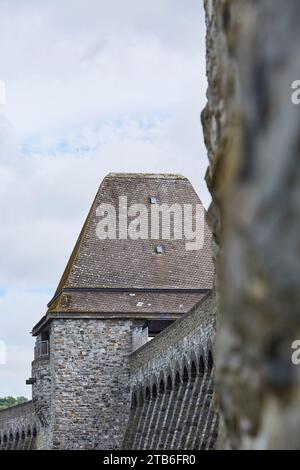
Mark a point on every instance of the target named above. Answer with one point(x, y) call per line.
point(100, 272)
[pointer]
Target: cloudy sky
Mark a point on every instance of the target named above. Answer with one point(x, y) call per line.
point(92, 87)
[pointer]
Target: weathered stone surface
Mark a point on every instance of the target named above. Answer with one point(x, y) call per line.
point(91, 389)
point(42, 400)
point(252, 134)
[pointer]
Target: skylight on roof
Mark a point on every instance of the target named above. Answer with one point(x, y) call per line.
point(153, 200)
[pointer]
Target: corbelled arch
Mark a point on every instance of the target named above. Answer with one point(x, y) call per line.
point(161, 383)
point(185, 372)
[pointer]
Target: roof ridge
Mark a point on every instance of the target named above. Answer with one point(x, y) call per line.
point(147, 175)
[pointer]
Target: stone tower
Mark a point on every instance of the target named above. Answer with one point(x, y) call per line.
point(113, 295)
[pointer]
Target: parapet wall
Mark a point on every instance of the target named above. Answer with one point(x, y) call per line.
point(172, 386)
point(18, 427)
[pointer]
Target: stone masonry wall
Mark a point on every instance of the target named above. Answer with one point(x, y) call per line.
point(251, 131)
point(18, 428)
point(42, 400)
point(90, 393)
point(172, 386)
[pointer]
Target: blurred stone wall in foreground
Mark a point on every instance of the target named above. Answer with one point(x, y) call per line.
point(252, 133)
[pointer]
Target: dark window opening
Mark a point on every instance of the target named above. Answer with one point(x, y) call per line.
point(201, 366)
point(185, 375)
point(134, 402)
point(42, 346)
point(141, 399)
point(210, 361)
point(193, 371)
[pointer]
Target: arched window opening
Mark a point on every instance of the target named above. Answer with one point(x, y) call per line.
point(34, 432)
point(134, 401)
point(28, 432)
point(147, 396)
point(11, 436)
point(161, 386)
point(154, 391)
point(23, 436)
point(5, 438)
point(193, 371)
point(210, 361)
point(201, 366)
point(169, 384)
point(17, 436)
point(177, 380)
point(185, 377)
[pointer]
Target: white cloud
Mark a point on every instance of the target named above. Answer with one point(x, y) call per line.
point(20, 309)
point(115, 86)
